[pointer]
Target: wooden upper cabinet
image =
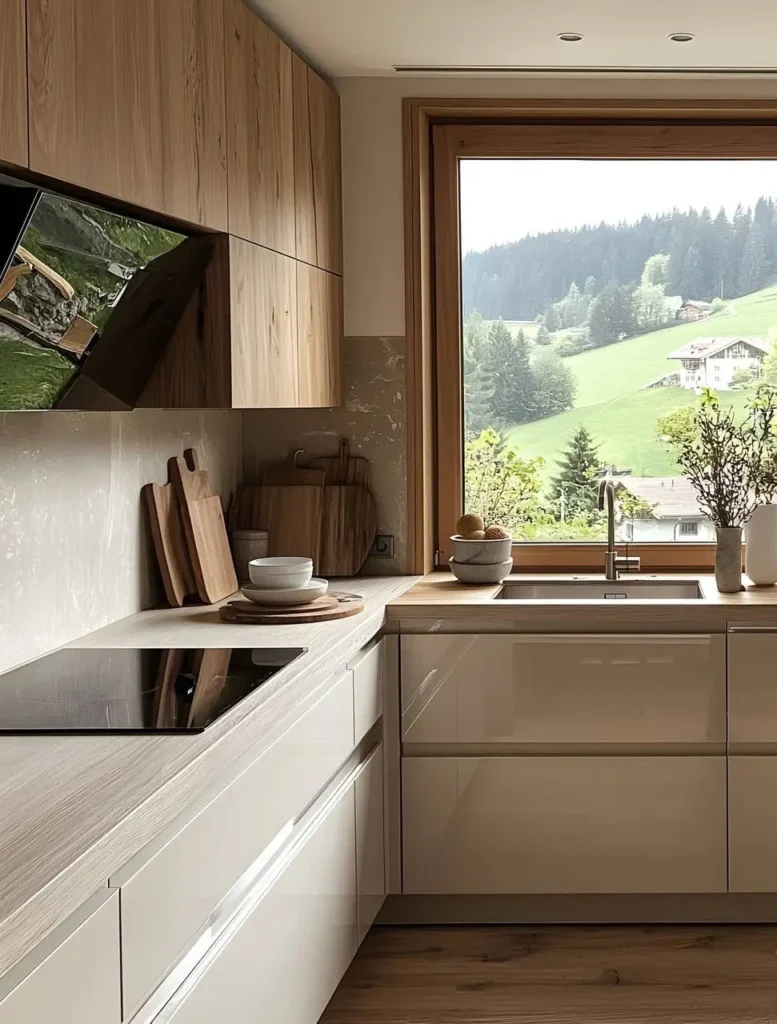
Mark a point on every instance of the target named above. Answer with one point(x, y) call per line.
point(317, 172)
point(127, 99)
point(319, 334)
point(13, 83)
point(260, 132)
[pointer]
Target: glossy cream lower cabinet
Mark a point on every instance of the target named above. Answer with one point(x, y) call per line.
point(370, 844)
point(286, 954)
point(564, 824)
point(752, 694)
point(75, 981)
point(752, 784)
point(564, 690)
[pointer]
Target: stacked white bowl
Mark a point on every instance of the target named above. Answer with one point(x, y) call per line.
point(481, 561)
point(283, 581)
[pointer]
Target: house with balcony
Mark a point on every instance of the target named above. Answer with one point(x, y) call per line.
point(712, 362)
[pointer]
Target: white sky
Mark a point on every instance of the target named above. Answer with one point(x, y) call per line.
point(504, 200)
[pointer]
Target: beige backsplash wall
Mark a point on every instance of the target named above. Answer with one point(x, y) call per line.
point(372, 418)
point(74, 547)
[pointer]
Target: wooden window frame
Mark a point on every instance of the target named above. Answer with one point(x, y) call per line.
point(437, 133)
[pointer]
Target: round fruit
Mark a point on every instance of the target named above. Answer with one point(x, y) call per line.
point(469, 524)
point(474, 535)
point(497, 533)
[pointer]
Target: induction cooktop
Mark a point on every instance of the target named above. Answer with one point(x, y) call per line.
point(134, 690)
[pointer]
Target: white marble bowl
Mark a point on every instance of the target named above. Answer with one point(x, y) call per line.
point(280, 573)
point(481, 552)
point(473, 572)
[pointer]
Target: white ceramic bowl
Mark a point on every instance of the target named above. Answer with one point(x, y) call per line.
point(280, 573)
point(293, 595)
point(481, 552)
point(469, 572)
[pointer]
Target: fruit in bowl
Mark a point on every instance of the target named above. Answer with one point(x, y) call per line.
point(490, 546)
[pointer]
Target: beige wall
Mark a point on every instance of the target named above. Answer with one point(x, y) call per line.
point(73, 540)
point(372, 169)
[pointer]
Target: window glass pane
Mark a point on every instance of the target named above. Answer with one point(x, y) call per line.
point(599, 299)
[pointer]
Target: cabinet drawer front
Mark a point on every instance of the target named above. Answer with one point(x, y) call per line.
point(546, 690)
point(79, 982)
point(367, 689)
point(165, 902)
point(370, 844)
point(288, 954)
point(564, 825)
point(752, 783)
point(752, 693)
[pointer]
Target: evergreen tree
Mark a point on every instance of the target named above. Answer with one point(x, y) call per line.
point(542, 337)
point(691, 279)
point(551, 319)
point(590, 286)
point(724, 273)
point(507, 363)
point(478, 383)
point(753, 268)
point(553, 384)
point(573, 491)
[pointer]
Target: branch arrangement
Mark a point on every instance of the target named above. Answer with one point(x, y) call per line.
point(732, 466)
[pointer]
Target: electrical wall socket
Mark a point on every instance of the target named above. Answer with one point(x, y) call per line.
point(382, 546)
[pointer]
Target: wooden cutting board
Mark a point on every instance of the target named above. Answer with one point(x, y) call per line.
point(292, 516)
point(322, 610)
point(290, 472)
point(344, 468)
point(349, 527)
point(205, 532)
point(170, 546)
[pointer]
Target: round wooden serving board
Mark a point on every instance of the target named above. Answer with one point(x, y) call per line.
point(323, 609)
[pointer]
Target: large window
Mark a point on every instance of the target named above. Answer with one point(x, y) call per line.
point(595, 279)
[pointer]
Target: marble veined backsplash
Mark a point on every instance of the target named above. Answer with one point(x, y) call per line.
point(74, 547)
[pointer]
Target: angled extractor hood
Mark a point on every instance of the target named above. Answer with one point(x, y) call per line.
point(88, 300)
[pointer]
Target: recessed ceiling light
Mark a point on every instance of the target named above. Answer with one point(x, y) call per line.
point(570, 37)
point(682, 37)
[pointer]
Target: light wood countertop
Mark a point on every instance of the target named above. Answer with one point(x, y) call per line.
point(439, 601)
point(74, 809)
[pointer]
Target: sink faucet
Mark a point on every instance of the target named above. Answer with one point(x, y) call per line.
point(613, 562)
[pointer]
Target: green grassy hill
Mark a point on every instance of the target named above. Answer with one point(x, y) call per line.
point(610, 400)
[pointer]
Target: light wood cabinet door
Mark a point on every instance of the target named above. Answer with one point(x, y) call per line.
point(752, 692)
point(752, 784)
point(319, 333)
point(128, 99)
point(13, 82)
point(317, 170)
point(564, 824)
point(77, 981)
point(264, 346)
point(560, 693)
point(285, 956)
point(370, 846)
point(260, 131)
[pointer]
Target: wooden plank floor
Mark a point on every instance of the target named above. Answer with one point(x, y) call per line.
point(555, 975)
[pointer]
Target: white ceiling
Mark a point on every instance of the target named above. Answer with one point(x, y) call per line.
point(368, 37)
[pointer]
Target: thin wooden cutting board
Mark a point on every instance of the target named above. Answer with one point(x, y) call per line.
point(169, 543)
point(350, 523)
point(205, 532)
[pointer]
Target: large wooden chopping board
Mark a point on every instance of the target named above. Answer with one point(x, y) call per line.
point(344, 468)
point(291, 515)
point(349, 527)
point(205, 532)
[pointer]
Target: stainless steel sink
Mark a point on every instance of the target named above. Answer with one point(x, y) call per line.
point(601, 590)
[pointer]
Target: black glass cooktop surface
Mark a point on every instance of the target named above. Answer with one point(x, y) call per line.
point(136, 690)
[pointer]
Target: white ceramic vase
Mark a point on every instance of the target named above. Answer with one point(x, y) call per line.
point(761, 553)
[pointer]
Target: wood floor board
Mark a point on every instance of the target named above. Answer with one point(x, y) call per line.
point(561, 975)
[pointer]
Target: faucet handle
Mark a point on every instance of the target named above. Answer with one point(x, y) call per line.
point(627, 563)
